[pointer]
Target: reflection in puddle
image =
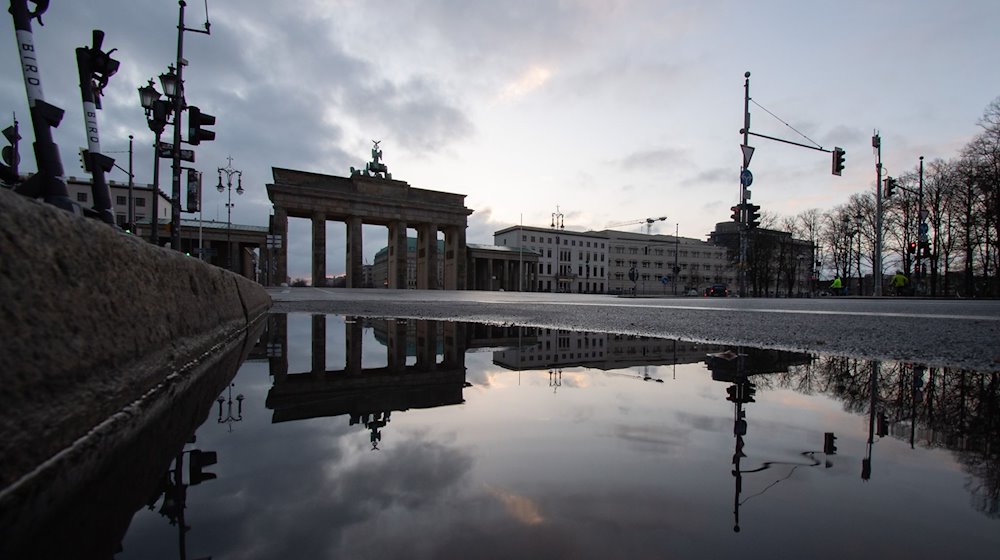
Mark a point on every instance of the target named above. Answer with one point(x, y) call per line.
point(421, 439)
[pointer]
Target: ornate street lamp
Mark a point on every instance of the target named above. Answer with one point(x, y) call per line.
point(229, 171)
point(157, 113)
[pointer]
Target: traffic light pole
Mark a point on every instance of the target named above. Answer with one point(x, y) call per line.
point(175, 194)
point(877, 265)
point(744, 232)
point(746, 211)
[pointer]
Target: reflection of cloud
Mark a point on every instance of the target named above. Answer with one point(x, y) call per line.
point(532, 79)
point(521, 508)
point(307, 510)
point(648, 438)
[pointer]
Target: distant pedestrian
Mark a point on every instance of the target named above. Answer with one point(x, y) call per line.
point(837, 286)
point(899, 282)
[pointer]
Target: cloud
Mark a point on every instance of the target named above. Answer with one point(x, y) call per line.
point(532, 79)
point(655, 158)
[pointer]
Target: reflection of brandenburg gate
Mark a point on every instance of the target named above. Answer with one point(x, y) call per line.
point(372, 198)
point(354, 389)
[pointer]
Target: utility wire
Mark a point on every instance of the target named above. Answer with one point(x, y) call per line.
point(785, 123)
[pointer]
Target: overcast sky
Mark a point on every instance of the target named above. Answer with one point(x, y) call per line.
point(609, 110)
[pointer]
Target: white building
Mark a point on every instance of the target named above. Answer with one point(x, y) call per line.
point(569, 261)
point(81, 191)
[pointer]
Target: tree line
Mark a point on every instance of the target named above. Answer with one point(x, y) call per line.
point(961, 198)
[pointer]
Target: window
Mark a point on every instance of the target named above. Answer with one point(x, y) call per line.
point(121, 200)
point(81, 197)
point(524, 238)
point(140, 203)
point(532, 238)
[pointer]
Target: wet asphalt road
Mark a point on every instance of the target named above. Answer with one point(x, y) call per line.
point(955, 333)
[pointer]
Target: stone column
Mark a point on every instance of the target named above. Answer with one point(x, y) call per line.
point(397, 255)
point(318, 249)
point(396, 347)
point(426, 345)
point(354, 256)
point(318, 344)
point(461, 258)
point(281, 229)
point(427, 257)
point(353, 335)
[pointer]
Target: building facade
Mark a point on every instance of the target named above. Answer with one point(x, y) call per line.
point(664, 264)
point(81, 191)
point(568, 261)
point(778, 265)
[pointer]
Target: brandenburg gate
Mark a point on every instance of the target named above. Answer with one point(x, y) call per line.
point(371, 196)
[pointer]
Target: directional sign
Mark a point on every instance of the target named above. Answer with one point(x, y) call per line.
point(167, 151)
point(746, 178)
point(664, 280)
point(924, 229)
point(747, 154)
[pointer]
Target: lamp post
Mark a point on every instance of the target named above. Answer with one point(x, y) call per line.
point(857, 231)
point(229, 171)
point(157, 114)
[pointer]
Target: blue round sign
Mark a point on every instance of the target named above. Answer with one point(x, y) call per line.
point(924, 229)
point(746, 178)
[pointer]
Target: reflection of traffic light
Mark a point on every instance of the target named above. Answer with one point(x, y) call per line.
point(196, 120)
point(753, 215)
point(734, 393)
point(838, 161)
point(829, 446)
point(199, 460)
point(890, 186)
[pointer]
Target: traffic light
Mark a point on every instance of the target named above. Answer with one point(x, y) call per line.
point(193, 190)
point(912, 247)
point(737, 215)
point(890, 186)
point(196, 120)
point(753, 215)
point(838, 161)
point(199, 460)
point(734, 393)
point(829, 441)
point(11, 157)
point(925, 249)
point(747, 392)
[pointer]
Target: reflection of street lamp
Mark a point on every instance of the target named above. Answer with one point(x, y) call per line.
point(229, 418)
point(229, 171)
point(555, 378)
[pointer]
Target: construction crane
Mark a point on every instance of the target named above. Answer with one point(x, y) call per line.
point(648, 221)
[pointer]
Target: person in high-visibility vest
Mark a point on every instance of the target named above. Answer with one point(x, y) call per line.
point(898, 282)
point(837, 286)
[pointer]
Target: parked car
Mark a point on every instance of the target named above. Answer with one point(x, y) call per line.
point(717, 290)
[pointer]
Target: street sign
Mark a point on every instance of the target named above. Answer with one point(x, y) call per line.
point(924, 229)
point(746, 178)
point(747, 154)
point(167, 151)
point(664, 280)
